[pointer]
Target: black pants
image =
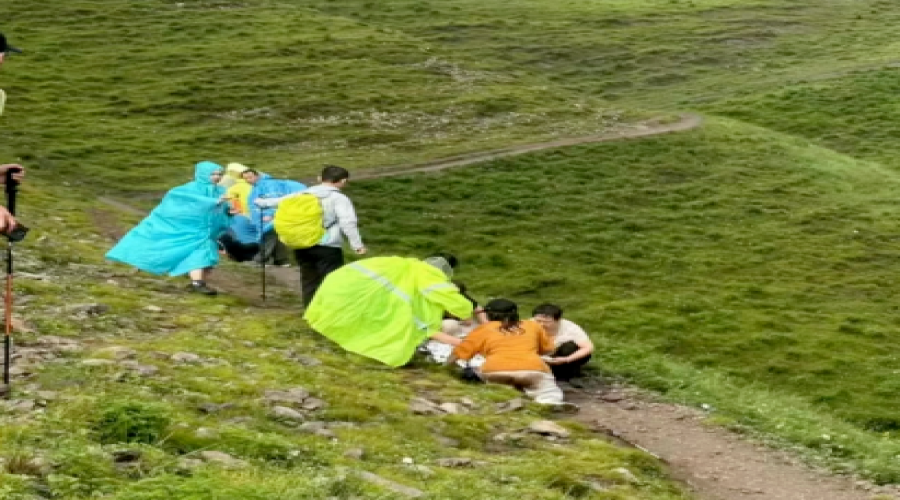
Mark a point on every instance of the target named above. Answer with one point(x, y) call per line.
point(315, 264)
point(568, 370)
point(273, 249)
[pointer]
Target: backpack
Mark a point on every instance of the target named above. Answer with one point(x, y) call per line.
point(300, 221)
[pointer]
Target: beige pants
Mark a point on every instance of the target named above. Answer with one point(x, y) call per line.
point(539, 386)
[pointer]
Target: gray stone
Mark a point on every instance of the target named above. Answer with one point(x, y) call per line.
point(214, 408)
point(453, 408)
point(420, 406)
point(422, 470)
point(398, 488)
point(88, 309)
point(146, 370)
point(355, 453)
point(185, 357)
point(548, 428)
point(189, 464)
point(468, 403)
point(447, 442)
point(126, 456)
point(458, 462)
point(612, 397)
point(223, 459)
point(511, 405)
point(118, 352)
point(47, 395)
point(312, 404)
point(295, 396)
point(206, 433)
point(153, 309)
point(286, 413)
point(313, 427)
point(159, 355)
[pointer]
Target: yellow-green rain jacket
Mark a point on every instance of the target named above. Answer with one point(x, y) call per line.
point(384, 307)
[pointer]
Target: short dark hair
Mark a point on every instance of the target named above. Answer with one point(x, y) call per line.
point(250, 171)
point(450, 258)
point(551, 310)
point(334, 173)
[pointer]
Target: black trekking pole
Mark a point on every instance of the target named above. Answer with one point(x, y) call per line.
point(12, 187)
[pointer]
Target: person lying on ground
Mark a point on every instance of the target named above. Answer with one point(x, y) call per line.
point(266, 187)
point(385, 307)
point(512, 349)
point(180, 235)
point(338, 219)
point(573, 348)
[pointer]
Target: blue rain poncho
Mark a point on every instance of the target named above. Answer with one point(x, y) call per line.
point(180, 234)
point(269, 187)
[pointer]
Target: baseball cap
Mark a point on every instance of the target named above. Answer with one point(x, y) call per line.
point(5, 47)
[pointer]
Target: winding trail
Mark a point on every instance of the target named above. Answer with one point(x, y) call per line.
point(713, 462)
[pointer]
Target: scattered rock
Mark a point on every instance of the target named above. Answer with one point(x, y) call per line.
point(286, 413)
point(355, 453)
point(206, 433)
point(88, 309)
point(295, 396)
point(458, 462)
point(47, 396)
point(453, 408)
point(20, 326)
point(58, 344)
point(159, 355)
point(20, 370)
point(209, 408)
point(223, 459)
point(153, 309)
point(185, 358)
point(189, 464)
point(313, 427)
point(118, 352)
point(313, 404)
point(447, 442)
point(628, 475)
point(146, 370)
point(398, 488)
point(97, 362)
point(421, 406)
point(468, 403)
point(511, 405)
point(548, 428)
point(422, 470)
point(612, 397)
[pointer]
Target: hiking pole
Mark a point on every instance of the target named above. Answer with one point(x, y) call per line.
point(12, 187)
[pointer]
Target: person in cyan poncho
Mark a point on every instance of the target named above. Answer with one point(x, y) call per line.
point(179, 236)
point(384, 307)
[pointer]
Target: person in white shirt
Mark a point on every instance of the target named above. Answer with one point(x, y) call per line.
point(573, 346)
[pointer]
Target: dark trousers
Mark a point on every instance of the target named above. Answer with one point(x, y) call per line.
point(273, 249)
point(568, 370)
point(315, 264)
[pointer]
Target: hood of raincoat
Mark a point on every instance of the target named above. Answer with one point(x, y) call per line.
point(204, 185)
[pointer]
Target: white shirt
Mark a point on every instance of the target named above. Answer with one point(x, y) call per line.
point(570, 332)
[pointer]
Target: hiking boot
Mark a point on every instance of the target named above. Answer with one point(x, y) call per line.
point(202, 288)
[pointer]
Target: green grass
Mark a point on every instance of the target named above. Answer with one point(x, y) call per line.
point(102, 410)
point(755, 255)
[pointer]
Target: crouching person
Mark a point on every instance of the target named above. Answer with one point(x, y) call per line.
point(572, 346)
point(512, 349)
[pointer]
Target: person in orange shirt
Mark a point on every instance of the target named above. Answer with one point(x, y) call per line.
point(512, 349)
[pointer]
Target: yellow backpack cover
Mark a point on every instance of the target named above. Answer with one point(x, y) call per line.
point(300, 221)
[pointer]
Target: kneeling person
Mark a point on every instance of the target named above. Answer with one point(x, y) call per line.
point(573, 348)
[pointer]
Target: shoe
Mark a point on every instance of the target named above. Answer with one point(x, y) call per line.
point(202, 289)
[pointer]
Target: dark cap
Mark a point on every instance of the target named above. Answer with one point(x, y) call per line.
point(5, 47)
point(501, 306)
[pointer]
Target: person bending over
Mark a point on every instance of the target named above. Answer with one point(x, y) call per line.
point(512, 349)
point(573, 348)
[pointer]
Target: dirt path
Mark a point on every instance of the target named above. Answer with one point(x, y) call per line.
point(648, 128)
point(715, 463)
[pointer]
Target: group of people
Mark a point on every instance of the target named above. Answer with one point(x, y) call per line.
point(385, 308)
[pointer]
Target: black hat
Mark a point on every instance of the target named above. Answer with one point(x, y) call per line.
point(5, 47)
point(501, 306)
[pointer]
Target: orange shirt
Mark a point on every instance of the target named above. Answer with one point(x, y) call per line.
point(507, 351)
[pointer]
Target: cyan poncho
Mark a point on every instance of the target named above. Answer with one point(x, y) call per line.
point(180, 234)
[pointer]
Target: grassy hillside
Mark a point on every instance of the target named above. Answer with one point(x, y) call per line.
point(118, 406)
point(759, 256)
point(856, 114)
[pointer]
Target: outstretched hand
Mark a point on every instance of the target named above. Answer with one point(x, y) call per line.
point(18, 172)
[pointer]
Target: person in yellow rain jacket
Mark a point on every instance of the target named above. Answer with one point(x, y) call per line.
point(238, 188)
point(384, 307)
